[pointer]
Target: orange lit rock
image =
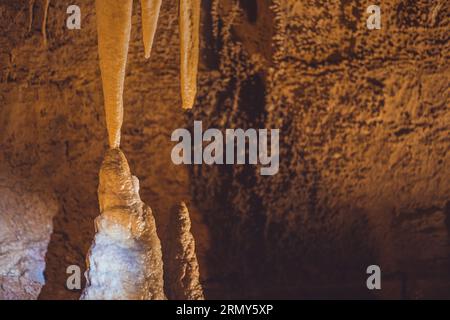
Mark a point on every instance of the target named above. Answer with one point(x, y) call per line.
point(150, 14)
point(182, 270)
point(113, 27)
point(189, 39)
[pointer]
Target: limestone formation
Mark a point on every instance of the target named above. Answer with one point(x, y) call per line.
point(113, 27)
point(182, 270)
point(44, 21)
point(150, 14)
point(189, 40)
point(125, 260)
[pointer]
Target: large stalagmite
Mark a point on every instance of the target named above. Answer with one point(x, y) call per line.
point(125, 260)
point(114, 27)
point(182, 270)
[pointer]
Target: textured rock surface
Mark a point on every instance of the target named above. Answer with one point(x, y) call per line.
point(181, 269)
point(364, 143)
point(26, 213)
point(125, 260)
point(113, 32)
point(364, 148)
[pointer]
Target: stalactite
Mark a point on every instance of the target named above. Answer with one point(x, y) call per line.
point(182, 270)
point(44, 21)
point(114, 27)
point(125, 260)
point(189, 39)
point(30, 14)
point(150, 14)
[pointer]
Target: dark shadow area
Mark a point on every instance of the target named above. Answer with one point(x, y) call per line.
point(251, 9)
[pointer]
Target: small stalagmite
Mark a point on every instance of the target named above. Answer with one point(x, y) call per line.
point(150, 14)
point(182, 270)
point(189, 42)
point(125, 260)
point(113, 27)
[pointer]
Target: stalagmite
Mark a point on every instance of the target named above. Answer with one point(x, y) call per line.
point(150, 14)
point(125, 260)
point(114, 27)
point(182, 270)
point(189, 39)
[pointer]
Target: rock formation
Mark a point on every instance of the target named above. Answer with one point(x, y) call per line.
point(125, 260)
point(26, 213)
point(190, 41)
point(181, 268)
point(150, 15)
point(113, 27)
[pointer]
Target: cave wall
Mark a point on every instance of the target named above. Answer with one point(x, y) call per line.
point(364, 170)
point(27, 208)
point(364, 123)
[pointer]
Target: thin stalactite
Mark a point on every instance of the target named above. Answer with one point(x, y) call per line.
point(150, 15)
point(30, 14)
point(44, 21)
point(190, 47)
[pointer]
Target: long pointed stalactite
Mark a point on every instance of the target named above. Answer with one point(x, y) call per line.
point(114, 28)
point(44, 21)
point(150, 15)
point(189, 42)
